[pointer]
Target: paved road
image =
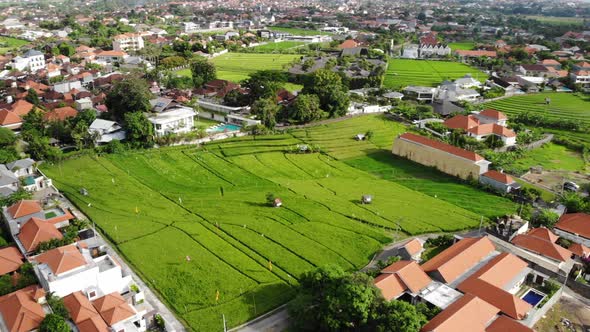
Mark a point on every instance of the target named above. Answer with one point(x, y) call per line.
point(275, 322)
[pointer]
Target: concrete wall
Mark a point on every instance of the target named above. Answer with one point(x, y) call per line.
point(535, 315)
point(443, 161)
point(501, 187)
point(572, 237)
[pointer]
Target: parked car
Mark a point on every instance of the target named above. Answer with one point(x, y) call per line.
point(571, 186)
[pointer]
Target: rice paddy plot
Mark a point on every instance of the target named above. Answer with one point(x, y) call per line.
point(237, 66)
point(278, 46)
point(563, 105)
point(403, 72)
point(9, 43)
point(462, 46)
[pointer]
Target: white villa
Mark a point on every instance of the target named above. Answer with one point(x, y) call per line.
point(33, 60)
point(176, 120)
point(128, 42)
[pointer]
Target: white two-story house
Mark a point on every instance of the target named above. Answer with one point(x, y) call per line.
point(176, 120)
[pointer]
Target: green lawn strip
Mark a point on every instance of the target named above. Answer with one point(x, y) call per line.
point(462, 46)
point(278, 46)
point(552, 157)
point(546, 195)
point(404, 72)
point(299, 32)
point(9, 43)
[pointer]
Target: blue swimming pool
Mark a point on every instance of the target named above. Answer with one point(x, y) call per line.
point(223, 128)
point(533, 297)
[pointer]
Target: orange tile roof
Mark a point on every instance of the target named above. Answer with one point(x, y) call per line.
point(544, 233)
point(62, 259)
point(542, 247)
point(491, 54)
point(493, 114)
point(112, 53)
point(9, 118)
point(24, 208)
point(93, 324)
point(469, 313)
point(492, 128)
point(113, 308)
point(410, 273)
point(441, 146)
point(550, 62)
point(20, 310)
point(84, 314)
point(498, 176)
point(57, 219)
point(488, 283)
point(413, 246)
point(348, 44)
point(505, 324)
point(579, 249)
point(390, 285)
point(462, 122)
point(36, 231)
point(10, 260)
point(458, 258)
point(575, 223)
point(60, 114)
point(21, 107)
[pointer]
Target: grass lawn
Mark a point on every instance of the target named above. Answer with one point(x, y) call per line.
point(299, 32)
point(161, 205)
point(205, 123)
point(553, 157)
point(462, 46)
point(273, 47)
point(563, 105)
point(236, 66)
point(9, 43)
point(403, 72)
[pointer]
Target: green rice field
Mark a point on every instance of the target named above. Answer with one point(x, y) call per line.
point(563, 105)
point(160, 206)
point(552, 157)
point(462, 46)
point(275, 47)
point(403, 72)
point(9, 43)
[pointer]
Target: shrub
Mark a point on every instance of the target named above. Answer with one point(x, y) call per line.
point(54, 323)
point(57, 306)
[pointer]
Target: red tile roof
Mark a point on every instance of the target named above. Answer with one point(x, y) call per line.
point(491, 54)
point(410, 273)
point(500, 177)
point(458, 258)
point(21, 107)
point(541, 246)
point(79, 307)
point(575, 223)
point(36, 231)
point(489, 284)
point(10, 260)
point(113, 308)
point(413, 246)
point(442, 146)
point(20, 310)
point(62, 259)
point(462, 122)
point(579, 249)
point(390, 285)
point(505, 324)
point(24, 208)
point(350, 43)
point(60, 114)
point(469, 313)
point(493, 114)
point(492, 128)
point(543, 233)
point(8, 118)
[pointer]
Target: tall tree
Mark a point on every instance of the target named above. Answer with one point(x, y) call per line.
point(131, 94)
point(266, 110)
point(332, 300)
point(327, 85)
point(32, 97)
point(306, 108)
point(140, 132)
point(54, 323)
point(264, 84)
point(202, 72)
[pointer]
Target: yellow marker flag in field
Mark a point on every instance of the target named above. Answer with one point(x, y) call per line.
point(136, 209)
point(269, 265)
point(217, 296)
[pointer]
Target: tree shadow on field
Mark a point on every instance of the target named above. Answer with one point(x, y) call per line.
point(257, 204)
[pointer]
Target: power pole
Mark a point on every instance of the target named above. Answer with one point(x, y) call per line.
point(224, 325)
point(480, 224)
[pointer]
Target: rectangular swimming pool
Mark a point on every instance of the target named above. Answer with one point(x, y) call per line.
point(223, 128)
point(533, 297)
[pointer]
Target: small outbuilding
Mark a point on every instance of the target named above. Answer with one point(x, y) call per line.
point(277, 202)
point(366, 199)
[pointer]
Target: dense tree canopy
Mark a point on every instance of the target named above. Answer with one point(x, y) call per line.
point(332, 300)
point(54, 323)
point(202, 72)
point(140, 132)
point(306, 108)
point(264, 83)
point(266, 109)
point(131, 94)
point(327, 85)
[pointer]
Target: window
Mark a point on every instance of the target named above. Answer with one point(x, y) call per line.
point(92, 294)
